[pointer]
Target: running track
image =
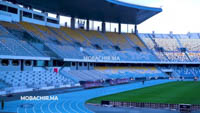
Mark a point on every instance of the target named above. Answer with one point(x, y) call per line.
point(73, 102)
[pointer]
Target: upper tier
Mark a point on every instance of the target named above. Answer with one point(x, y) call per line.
point(31, 40)
point(71, 44)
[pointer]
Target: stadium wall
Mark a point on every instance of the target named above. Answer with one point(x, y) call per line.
point(17, 14)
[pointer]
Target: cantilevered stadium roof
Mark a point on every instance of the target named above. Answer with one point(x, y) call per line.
point(100, 10)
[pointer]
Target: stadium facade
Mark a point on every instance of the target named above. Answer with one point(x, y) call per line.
point(37, 53)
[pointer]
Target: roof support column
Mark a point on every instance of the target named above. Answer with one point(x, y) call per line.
point(119, 28)
point(87, 25)
point(103, 27)
point(72, 23)
point(58, 16)
point(110, 27)
point(136, 30)
point(127, 28)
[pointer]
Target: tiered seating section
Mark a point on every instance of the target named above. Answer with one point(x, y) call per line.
point(95, 38)
point(130, 72)
point(72, 44)
point(20, 81)
point(76, 44)
point(112, 75)
point(17, 48)
point(172, 45)
point(183, 71)
point(3, 85)
point(31, 40)
point(87, 75)
point(188, 71)
point(34, 79)
point(25, 39)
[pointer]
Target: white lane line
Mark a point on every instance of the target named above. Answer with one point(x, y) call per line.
point(82, 105)
point(87, 109)
point(25, 110)
point(34, 106)
point(63, 106)
point(79, 107)
point(42, 107)
point(17, 109)
point(70, 107)
point(56, 107)
point(49, 106)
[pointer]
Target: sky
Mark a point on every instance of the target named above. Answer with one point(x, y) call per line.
point(178, 16)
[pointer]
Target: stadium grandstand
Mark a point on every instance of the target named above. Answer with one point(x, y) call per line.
point(37, 53)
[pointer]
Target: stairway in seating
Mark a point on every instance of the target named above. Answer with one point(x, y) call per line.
point(3, 30)
point(151, 51)
point(156, 45)
point(106, 39)
point(129, 41)
point(180, 45)
point(86, 38)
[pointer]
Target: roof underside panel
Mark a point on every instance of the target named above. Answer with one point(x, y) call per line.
point(100, 10)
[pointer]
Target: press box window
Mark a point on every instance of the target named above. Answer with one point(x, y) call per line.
point(52, 21)
point(28, 63)
point(15, 63)
point(27, 14)
point(5, 62)
point(73, 63)
point(38, 17)
point(12, 10)
point(3, 7)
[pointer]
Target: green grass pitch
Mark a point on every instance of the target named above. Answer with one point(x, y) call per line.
point(170, 93)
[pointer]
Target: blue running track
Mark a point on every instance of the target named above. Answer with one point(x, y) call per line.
point(73, 102)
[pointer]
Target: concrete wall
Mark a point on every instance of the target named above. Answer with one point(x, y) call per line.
point(9, 17)
point(6, 16)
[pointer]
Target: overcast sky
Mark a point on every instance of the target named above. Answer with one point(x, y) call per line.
point(179, 16)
